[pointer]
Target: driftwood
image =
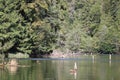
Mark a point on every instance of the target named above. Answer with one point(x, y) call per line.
point(11, 66)
point(12, 63)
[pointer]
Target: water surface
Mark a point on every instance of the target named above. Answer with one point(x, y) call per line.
point(99, 67)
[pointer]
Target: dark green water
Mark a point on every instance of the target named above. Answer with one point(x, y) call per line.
point(99, 67)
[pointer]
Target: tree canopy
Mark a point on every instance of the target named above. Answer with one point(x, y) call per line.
point(40, 26)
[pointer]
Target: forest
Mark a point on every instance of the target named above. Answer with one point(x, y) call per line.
point(41, 26)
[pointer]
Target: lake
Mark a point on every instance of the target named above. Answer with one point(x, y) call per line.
point(89, 67)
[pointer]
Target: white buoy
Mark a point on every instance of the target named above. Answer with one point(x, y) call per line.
point(110, 59)
point(109, 56)
point(75, 66)
point(93, 58)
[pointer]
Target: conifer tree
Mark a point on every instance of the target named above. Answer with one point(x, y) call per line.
point(15, 35)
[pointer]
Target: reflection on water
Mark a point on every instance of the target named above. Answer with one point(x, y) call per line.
point(12, 66)
point(99, 67)
point(74, 71)
point(12, 69)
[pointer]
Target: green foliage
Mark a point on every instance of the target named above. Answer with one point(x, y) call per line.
point(87, 25)
point(44, 29)
point(46, 38)
point(31, 26)
point(14, 31)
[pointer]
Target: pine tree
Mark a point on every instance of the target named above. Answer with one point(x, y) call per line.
point(15, 35)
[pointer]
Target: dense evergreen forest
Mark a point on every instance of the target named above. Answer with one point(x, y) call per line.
point(40, 26)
